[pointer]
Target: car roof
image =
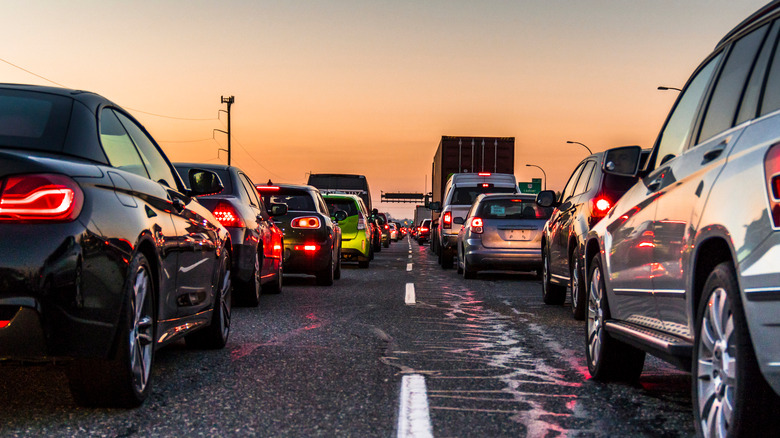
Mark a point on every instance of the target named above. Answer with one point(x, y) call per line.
point(768, 10)
point(88, 98)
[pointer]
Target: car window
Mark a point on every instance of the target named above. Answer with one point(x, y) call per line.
point(119, 149)
point(750, 98)
point(511, 209)
point(249, 190)
point(155, 163)
point(346, 205)
point(34, 120)
point(569, 189)
point(722, 108)
point(582, 182)
point(321, 204)
point(678, 127)
point(771, 99)
point(467, 195)
point(296, 200)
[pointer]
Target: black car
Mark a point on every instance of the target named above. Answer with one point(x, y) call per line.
point(105, 256)
point(312, 239)
point(257, 242)
point(585, 199)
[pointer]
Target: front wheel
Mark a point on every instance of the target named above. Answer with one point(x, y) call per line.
point(730, 394)
point(215, 335)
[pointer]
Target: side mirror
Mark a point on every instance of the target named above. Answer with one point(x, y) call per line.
point(622, 161)
point(459, 220)
point(340, 216)
point(204, 182)
point(435, 206)
point(278, 210)
point(546, 198)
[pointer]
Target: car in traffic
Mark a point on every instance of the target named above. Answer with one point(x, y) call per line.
point(385, 227)
point(394, 232)
point(587, 197)
point(105, 255)
point(312, 239)
point(257, 241)
point(355, 233)
point(424, 231)
point(685, 265)
point(501, 232)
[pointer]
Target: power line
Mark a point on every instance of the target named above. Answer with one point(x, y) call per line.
point(257, 162)
point(184, 141)
point(170, 117)
point(34, 74)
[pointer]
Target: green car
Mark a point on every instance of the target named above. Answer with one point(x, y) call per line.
point(355, 232)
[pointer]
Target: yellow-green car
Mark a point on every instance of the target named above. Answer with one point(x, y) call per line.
point(355, 232)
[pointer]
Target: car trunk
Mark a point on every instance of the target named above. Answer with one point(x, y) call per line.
point(512, 233)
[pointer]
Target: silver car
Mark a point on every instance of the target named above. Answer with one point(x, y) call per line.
point(501, 232)
point(686, 265)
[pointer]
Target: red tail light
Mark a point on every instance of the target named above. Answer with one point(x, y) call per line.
point(306, 222)
point(423, 229)
point(600, 206)
point(227, 215)
point(306, 248)
point(4, 323)
point(484, 174)
point(40, 198)
point(361, 221)
point(387, 227)
point(476, 225)
point(446, 220)
point(772, 173)
point(267, 188)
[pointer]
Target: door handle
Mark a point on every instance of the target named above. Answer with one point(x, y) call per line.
point(715, 152)
point(654, 184)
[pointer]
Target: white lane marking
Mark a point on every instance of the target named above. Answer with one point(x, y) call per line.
point(413, 417)
point(408, 267)
point(410, 297)
point(410, 256)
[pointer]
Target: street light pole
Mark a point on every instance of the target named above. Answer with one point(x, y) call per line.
point(543, 173)
point(576, 142)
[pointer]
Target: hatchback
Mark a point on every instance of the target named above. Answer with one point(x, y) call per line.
point(501, 232)
point(355, 234)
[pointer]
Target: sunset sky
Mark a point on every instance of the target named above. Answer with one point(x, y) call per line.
point(371, 86)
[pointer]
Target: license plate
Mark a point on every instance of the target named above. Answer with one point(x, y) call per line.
point(518, 235)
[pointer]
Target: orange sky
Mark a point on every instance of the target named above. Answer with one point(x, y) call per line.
point(365, 86)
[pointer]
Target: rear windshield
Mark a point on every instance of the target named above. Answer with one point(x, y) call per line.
point(340, 204)
point(467, 195)
point(353, 182)
point(295, 199)
point(32, 120)
point(224, 176)
point(512, 209)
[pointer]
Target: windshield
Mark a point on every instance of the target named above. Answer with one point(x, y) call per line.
point(512, 209)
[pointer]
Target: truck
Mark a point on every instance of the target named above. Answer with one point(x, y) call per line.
point(466, 155)
point(421, 212)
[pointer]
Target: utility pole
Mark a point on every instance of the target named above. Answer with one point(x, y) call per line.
point(229, 101)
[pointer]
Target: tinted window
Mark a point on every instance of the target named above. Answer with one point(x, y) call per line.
point(155, 163)
point(569, 189)
point(467, 195)
point(250, 191)
point(678, 127)
point(728, 90)
point(584, 178)
point(295, 199)
point(752, 93)
point(771, 99)
point(223, 174)
point(120, 150)
point(33, 120)
point(512, 209)
point(341, 204)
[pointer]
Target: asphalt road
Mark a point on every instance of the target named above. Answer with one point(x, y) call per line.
point(337, 361)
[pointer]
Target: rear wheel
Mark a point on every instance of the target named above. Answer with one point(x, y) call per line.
point(458, 260)
point(337, 272)
point(363, 264)
point(608, 359)
point(275, 286)
point(215, 335)
point(250, 290)
point(730, 394)
point(551, 293)
point(577, 285)
point(124, 380)
point(325, 276)
point(468, 272)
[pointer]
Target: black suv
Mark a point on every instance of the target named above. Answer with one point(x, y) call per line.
point(587, 198)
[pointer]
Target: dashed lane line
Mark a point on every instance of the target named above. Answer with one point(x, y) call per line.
point(410, 296)
point(413, 417)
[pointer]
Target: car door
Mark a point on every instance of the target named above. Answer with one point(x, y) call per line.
point(686, 184)
point(630, 233)
point(559, 226)
point(262, 223)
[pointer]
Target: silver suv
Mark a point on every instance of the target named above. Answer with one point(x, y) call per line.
point(686, 265)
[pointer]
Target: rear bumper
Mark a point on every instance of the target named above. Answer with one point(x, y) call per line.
point(480, 258)
point(299, 261)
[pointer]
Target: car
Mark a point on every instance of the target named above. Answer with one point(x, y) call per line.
point(587, 197)
point(99, 241)
point(312, 239)
point(394, 232)
point(355, 234)
point(459, 194)
point(501, 232)
point(257, 241)
point(385, 227)
point(424, 231)
point(685, 264)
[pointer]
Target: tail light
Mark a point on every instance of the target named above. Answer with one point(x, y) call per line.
point(772, 173)
point(600, 206)
point(227, 215)
point(423, 229)
point(476, 225)
point(446, 220)
point(484, 174)
point(387, 227)
point(306, 248)
point(306, 222)
point(40, 198)
point(361, 221)
point(267, 188)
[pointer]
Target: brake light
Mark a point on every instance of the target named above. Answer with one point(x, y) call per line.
point(40, 197)
point(601, 206)
point(361, 221)
point(423, 229)
point(387, 227)
point(267, 188)
point(476, 225)
point(772, 173)
point(485, 185)
point(484, 174)
point(305, 222)
point(446, 220)
point(227, 215)
point(4, 323)
point(306, 248)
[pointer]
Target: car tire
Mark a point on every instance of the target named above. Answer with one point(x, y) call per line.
point(446, 259)
point(275, 287)
point(123, 381)
point(386, 243)
point(363, 264)
point(337, 271)
point(216, 334)
point(325, 276)
point(730, 395)
point(577, 287)
point(608, 359)
point(458, 261)
point(551, 293)
point(250, 290)
point(468, 272)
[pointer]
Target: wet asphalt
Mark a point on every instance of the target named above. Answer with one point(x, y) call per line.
point(328, 361)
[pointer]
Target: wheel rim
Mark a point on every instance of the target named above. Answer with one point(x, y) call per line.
point(717, 366)
point(545, 272)
point(595, 316)
point(142, 331)
point(224, 302)
point(575, 282)
point(256, 285)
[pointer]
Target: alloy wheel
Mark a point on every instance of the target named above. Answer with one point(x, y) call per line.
point(142, 330)
point(595, 316)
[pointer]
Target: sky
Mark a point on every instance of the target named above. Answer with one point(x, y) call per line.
point(369, 86)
